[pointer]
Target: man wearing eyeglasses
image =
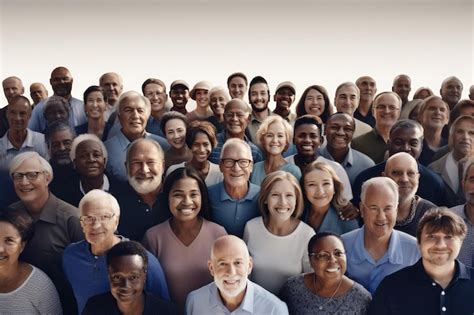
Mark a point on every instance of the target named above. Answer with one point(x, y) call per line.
point(376, 250)
point(84, 262)
point(234, 201)
point(236, 120)
point(386, 110)
point(56, 222)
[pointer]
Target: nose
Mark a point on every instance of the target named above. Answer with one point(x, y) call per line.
point(96, 223)
point(144, 168)
point(440, 242)
point(230, 269)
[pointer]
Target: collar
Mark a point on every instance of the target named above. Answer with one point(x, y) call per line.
point(222, 137)
point(223, 195)
point(247, 304)
point(254, 118)
point(105, 185)
point(461, 272)
point(393, 254)
point(49, 210)
point(348, 159)
point(28, 143)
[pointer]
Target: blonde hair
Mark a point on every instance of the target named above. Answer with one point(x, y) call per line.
point(263, 129)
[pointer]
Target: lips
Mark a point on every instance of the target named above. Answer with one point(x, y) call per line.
point(333, 269)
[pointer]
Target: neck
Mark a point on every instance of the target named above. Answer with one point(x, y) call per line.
point(133, 308)
point(338, 155)
point(261, 115)
point(376, 246)
point(17, 137)
point(181, 150)
point(198, 165)
point(283, 112)
point(458, 156)
point(433, 136)
point(233, 302)
point(181, 110)
point(273, 162)
point(89, 183)
point(150, 198)
point(158, 114)
point(134, 136)
point(279, 227)
point(185, 226)
point(440, 274)
point(301, 160)
point(238, 136)
point(36, 206)
point(383, 131)
point(236, 193)
point(404, 207)
point(102, 248)
point(201, 110)
point(364, 106)
point(327, 287)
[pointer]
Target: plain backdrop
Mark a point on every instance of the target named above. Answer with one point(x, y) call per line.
point(307, 42)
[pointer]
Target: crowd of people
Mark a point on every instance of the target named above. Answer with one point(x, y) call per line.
point(128, 202)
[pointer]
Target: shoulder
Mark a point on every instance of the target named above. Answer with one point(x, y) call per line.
point(214, 228)
point(265, 301)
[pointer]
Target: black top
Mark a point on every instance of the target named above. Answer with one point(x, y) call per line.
point(105, 304)
point(82, 129)
point(369, 119)
point(412, 291)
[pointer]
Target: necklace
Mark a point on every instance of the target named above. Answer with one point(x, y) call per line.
point(411, 215)
point(321, 307)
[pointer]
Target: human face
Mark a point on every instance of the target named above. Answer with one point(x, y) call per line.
point(18, 115)
point(12, 87)
point(274, 141)
point(386, 110)
point(439, 248)
point(407, 140)
point(236, 119)
point(468, 186)
point(102, 229)
point(423, 94)
point(11, 245)
point(202, 99)
point(404, 172)
point(237, 87)
point(217, 101)
point(334, 268)
point(179, 96)
point(379, 211)
point(133, 116)
point(59, 146)
point(402, 86)
point(157, 96)
point(463, 139)
point(56, 112)
point(367, 87)
point(127, 278)
point(466, 111)
point(185, 199)
point(38, 92)
point(319, 188)
point(259, 97)
point(32, 190)
point(435, 115)
point(112, 85)
point(144, 168)
point(339, 131)
point(201, 148)
point(230, 266)
point(283, 98)
point(89, 161)
point(61, 82)
point(175, 131)
point(451, 91)
point(95, 105)
point(281, 200)
point(347, 100)
point(236, 176)
point(307, 139)
point(314, 103)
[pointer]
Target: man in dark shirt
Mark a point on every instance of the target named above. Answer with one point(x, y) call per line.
point(438, 283)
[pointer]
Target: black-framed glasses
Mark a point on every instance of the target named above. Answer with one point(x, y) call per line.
point(90, 219)
point(243, 163)
point(326, 256)
point(17, 176)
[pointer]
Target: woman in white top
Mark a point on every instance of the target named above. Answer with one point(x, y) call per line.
point(24, 289)
point(201, 139)
point(277, 240)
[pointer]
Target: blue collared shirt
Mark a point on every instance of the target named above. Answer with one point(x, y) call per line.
point(230, 213)
point(221, 138)
point(257, 300)
point(361, 267)
point(34, 141)
point(77, 115)
point(117, 151)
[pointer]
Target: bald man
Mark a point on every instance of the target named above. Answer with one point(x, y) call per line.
point(231, 292)
point(451, 91)
point(38, 92)
point(402, 86)
point(403, 169)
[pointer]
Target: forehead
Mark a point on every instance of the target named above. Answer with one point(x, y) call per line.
point(111, 78)
point(327, 243)
point(153, 87)
point(175, 123)
point(218, 93)
point(317, 175)
point(30, 165)
point(236, 106)
point(230, 250)
point(377, 194)
point(402, 163)
point(347, 90)
point(126, 263)
point(365, 80)
point(237, 80)
point(342, 119)
point(96, 206)
point(388, 98)
point(18, 105)
point(452, 82)
point(406, 133)
point(60, 73)
point(465, 123)
point(259, 87)
point(436, 103)
point(135, 102)
point(61, 135)
point(307, 128)
point(11, 82)
point(179, 89)
point(402, 80)
point(143, 150)
point(236, 151)
point(88, 145)
point(185, 183)
point(37, 87)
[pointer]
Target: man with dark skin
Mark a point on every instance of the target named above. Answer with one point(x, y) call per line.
point(402, 86)
point(284, 97)
point(179, 95)
point(451, 91)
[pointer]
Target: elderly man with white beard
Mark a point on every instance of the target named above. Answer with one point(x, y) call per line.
point(403, 169)
point(140, 198)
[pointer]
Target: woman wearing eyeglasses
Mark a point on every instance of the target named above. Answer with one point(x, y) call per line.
point(277, 240)
point(84, 262)
point(274, 137)
point(24, 289)
point(326, 290)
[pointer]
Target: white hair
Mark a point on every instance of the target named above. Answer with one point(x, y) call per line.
point(97, 194)
point(22, 157)
point(86, 137)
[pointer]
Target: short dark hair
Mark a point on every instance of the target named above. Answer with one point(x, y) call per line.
point(55, 127)
point(300, 110)
point(21, 220)
point(319, 236)
point(184, 172)
point(456, 111)
point(239, 75)
point(406, 124)
point(441, 219)
point(256, 80)
point(127, 248)
point(204, 127)
point(172, 115)
point(92, 88)
point(308, 120)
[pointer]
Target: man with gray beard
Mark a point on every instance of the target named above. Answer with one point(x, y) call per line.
point(140, 199)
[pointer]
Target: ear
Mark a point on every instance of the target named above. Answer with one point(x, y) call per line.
point(209, 266)
point(250, 265)
point(274, 97)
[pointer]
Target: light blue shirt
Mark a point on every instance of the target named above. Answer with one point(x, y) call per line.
point(361, 267)
point(354, 162)
point(230, 213)
point(257, 300)
point(77, 115)
point(117, 151)
point(258, 173)
point(34, 141)
point(332, 222)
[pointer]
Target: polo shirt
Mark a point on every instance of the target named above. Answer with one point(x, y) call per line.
point(34, 141)
point(371, 144)
point(257, 300)
point(412, 291)
point(230, 213)
point(361, 267)
point(254, 124)
point(466, 254)
point(215, 156)
point(369, 119)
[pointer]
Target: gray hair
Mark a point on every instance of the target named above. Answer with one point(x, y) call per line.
point(236, 142)
point(22, 157)
point(97, 194)
point(379, 181)
point(130, 95)
point(161, 154)
point(86, 137)
point(347, 84)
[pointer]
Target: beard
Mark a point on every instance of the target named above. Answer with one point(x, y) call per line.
point(144, 187)
point(63, 89)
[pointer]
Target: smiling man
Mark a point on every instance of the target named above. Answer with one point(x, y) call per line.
point(451, 91)
point(376, 250)
point(438, 283)
point(232, 292)
point(259, 96)
point(284, 97)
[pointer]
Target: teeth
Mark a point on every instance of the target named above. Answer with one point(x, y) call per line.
point(186, 211)
point(336, 269)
